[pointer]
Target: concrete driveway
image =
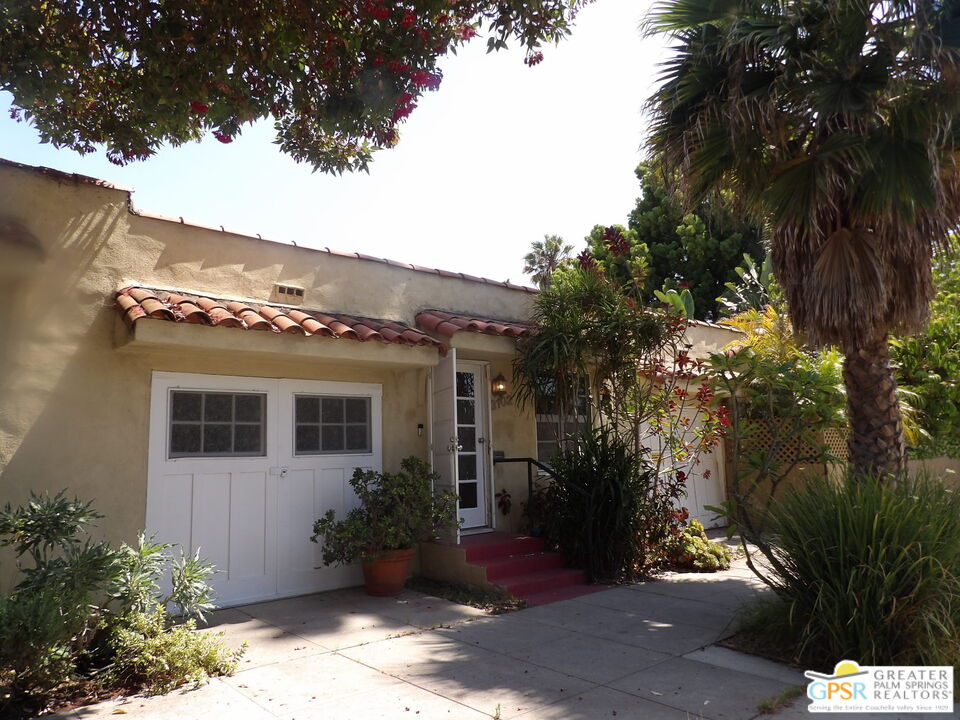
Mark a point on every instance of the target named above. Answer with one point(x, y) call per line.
point(641, 651)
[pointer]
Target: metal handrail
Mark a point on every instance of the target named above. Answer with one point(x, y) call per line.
point(530, 463)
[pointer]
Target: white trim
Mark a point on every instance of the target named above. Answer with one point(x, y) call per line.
point(429, 404)
point(484, 454)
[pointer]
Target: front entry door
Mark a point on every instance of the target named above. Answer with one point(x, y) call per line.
point(472, 442)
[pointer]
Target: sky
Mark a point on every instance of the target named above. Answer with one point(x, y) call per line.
point(500, 156)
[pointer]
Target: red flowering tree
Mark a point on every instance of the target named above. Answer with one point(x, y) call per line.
point(337, 77)
point(593, 326)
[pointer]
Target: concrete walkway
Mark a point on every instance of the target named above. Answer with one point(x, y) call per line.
point(643, 651)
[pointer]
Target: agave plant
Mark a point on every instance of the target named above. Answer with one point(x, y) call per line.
point(835, 123)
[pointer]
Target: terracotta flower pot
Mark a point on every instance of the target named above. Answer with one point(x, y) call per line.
point(387, 574)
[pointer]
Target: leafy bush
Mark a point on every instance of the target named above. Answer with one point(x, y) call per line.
point(397, 511)
point(866, 571)
point(49, 618)
point(602, 511)
point(135, 585)
point(81, 602)
point(691, 548)
point(780, 398)
point(929, 366)
point(150, 653)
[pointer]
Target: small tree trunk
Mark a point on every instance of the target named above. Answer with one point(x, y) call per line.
point(877, 446)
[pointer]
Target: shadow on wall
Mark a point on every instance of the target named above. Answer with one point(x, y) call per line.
point(56, 322)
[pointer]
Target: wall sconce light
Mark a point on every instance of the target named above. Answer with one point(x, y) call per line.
point(499, 388)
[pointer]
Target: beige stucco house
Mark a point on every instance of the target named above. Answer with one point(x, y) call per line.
point(218, 389)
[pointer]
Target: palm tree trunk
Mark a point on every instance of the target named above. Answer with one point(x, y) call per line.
point(877, 447)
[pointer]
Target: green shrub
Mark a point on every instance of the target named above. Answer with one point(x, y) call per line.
point(866, 571)
point(397, 511)
point(37, 642)
point(82, 605)
point(602, 511)
point(49, 618)
point(690, 548)
point(151, 654)
point(929, 365)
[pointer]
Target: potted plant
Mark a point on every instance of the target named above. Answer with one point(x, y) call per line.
point(396, 513)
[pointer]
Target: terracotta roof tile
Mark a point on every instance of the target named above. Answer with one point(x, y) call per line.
point(138, 302)
point(447, 324)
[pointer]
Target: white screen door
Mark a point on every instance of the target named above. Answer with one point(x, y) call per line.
point(443, 432)
point(471, 444)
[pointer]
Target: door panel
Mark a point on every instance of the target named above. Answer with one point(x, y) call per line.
point(311, 484)
point(443, 435)
point(222, 507)
point(248, 525)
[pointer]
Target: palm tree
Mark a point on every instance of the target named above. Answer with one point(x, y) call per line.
point(544, 258)
point(836, 123)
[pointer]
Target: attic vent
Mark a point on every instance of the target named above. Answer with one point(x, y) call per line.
point(289, 290)
point(287, 294)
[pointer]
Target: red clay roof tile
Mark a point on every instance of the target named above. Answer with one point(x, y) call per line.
point(447, 324)
point(137, 302)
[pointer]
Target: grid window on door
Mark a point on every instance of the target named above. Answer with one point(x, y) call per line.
point(216, 424)
point(331, 424)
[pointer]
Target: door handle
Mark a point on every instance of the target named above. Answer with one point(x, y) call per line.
point(454, 445)
point(481, 440)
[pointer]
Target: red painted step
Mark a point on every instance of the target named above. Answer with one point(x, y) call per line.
point(522, 586)
point(492, 545)
point(521, 566)
point(512, 565)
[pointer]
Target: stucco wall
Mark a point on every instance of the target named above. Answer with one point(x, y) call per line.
point(515, 435)
point(74, 402)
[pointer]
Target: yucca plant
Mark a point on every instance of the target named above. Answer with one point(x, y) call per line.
point(836, 123)
point(866, 571)
point(601, 508)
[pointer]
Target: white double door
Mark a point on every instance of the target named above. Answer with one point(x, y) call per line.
point(461, 436)
point(252, 515)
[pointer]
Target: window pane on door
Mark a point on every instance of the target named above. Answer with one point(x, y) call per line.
point(308, 410)
point(217, 439)
point(357, 409)
point(356, 437)
point(332, 410)
point(465, 384)
point(468, 495)
point(332, 424)
point(216, 424)
point(248, 438)
point(249, 408)
point(185, 439)
point(467, 437)
point(331, 438)
point(217, 407)
point(467, 465)
point(186, 406)
point(465, 412)
point(308, 438)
